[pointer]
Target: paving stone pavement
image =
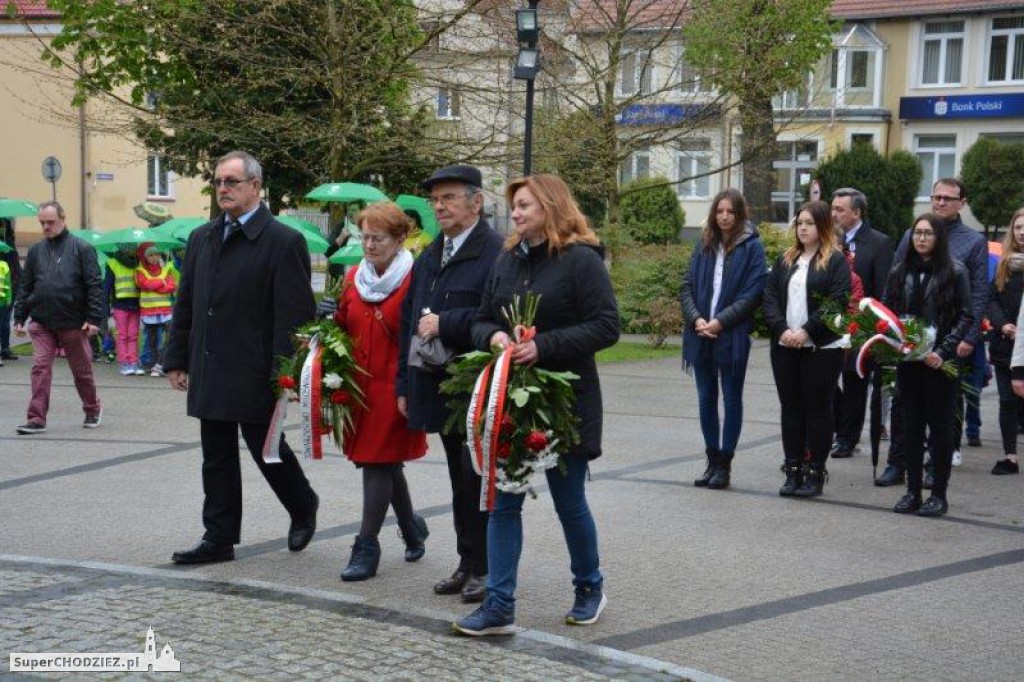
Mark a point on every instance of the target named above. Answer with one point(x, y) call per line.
point(738, 584)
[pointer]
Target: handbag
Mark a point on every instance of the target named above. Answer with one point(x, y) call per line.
point(431, 356)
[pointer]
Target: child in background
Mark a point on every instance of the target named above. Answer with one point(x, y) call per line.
point(157, 285)
point(123, 296)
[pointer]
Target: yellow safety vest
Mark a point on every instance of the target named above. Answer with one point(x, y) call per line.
point(149, 300)
point(124, 279)
point(5, 284)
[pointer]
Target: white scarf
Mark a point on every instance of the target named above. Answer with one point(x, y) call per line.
point(374, 288)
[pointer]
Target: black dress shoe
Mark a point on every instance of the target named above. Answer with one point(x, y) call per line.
point(933, 506)
point(301, 532)
point(974, 441)
point(452, 584)
point(892, 475)
point(475, 589)
point(205, 552)
point(8, 355)
point(908, 504)
point(841, 451)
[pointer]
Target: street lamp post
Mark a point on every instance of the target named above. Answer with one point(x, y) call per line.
point(527, 67)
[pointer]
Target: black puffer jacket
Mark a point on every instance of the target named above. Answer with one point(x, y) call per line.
point(952, 323)
point(576, 316)
point(61, 286)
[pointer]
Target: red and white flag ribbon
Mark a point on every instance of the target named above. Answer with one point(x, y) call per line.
point(272, 444)
point(483, 424)
point(310, 400)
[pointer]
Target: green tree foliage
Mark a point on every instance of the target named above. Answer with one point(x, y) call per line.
point(650, 211)
point(647, 280)
point(993, 172)
point(754, 50)
point(318, 91)
point(570, 147)
point(890, 184)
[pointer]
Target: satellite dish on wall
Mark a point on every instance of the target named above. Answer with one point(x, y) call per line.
point(153, 213)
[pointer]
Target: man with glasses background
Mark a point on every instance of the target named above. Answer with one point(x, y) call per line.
point(245, 287)
point(447, 282)
point(969, 247)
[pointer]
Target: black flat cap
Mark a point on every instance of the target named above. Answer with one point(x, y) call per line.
point(469, 175)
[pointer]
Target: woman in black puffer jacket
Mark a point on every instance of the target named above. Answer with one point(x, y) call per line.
point(930, 285)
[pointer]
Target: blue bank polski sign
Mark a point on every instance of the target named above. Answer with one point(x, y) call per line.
point(962, 106)
point(663, 114)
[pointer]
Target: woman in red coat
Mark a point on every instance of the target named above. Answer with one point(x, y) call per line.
point(370, 309)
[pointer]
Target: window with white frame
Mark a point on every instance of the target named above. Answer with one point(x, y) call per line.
point(689, 78)
point(856, 75)
point(937, 154)
point(157, 177)
point(693, 162)
point(635, 75)
point(942, 53)
point(448, 103)
point(1006, 50)
point(636, 166)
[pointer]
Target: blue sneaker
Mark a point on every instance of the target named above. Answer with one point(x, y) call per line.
point(489, 619)
point(590, 602)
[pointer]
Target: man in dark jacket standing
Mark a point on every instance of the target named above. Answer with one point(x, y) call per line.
point(62, 291)
point(872, 260)
point(245, 287)
point(447, 281)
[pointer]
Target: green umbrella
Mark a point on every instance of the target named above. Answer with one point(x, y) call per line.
point(314, 242)
point(13, 208)
point(299, 224)
point(422, 208)
point(181, 228)
point(347, 192)
point(350, 254)
point(112, 241)
point(4, 248)
point(92, 236)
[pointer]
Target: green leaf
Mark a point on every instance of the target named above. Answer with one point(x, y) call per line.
point(520, 396)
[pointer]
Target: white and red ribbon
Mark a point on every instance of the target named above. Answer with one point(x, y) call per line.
point(310, 400)
point(483, 424)
point(272, 444)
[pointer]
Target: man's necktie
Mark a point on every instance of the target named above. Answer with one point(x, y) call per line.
point(231, 226)
point(449, 250)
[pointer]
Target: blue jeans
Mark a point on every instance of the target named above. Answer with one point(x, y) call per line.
point(707, 376)
point(153, 337)
point(505, 534)
point(974, 376)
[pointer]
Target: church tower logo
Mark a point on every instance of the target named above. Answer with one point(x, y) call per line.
point(165, 662)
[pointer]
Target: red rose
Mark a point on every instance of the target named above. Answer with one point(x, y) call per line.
point(536, 440)
point(910, 346)
point(504, 449)
point(881, 327)
point(853, 328)
point(340, 397)
point(285, 381)
point(986, 325)
point(508, 426)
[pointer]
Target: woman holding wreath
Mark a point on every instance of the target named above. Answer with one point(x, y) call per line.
point(555, 255)
point(369, 309)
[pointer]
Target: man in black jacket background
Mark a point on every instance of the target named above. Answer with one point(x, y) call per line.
point(62, 291)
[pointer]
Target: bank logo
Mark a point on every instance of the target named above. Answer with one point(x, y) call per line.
point(941, 107)
point(147, 661)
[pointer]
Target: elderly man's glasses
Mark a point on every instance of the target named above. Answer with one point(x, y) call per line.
point(230, 183)
point(447, 199)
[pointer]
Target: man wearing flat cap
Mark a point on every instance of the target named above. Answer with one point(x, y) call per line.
point(447, 281)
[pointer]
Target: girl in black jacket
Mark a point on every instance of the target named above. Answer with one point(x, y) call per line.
point(805, 354)
point(555, 254)
point(1003, 307)
point(930, 285)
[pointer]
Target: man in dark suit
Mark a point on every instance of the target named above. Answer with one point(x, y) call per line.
point(447, 282)
point(245, 287)
point(872, 259)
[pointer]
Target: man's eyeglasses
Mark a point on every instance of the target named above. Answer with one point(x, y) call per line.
point(374, 238)
point(924, 234)
point(447, 199)
point(230, 183)
point(944, 199)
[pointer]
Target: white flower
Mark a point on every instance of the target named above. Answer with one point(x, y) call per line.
point(838, 321)
point(332, 380)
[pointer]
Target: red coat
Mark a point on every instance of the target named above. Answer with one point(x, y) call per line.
point(381, 434)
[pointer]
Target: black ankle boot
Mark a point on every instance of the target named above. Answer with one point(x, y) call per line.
point(364, 560)
point(794, 478)
point(814, 480)
point(414, 537)
point(712, 456)
point(720, 476)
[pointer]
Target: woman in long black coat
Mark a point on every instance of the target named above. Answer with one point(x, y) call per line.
point(553, 253)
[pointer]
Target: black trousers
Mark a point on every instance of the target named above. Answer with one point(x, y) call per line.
point(929, 400)
point(1009, 409)
point(470, 522)
point(805, 380)
point(222, 478)
point(850, 405)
